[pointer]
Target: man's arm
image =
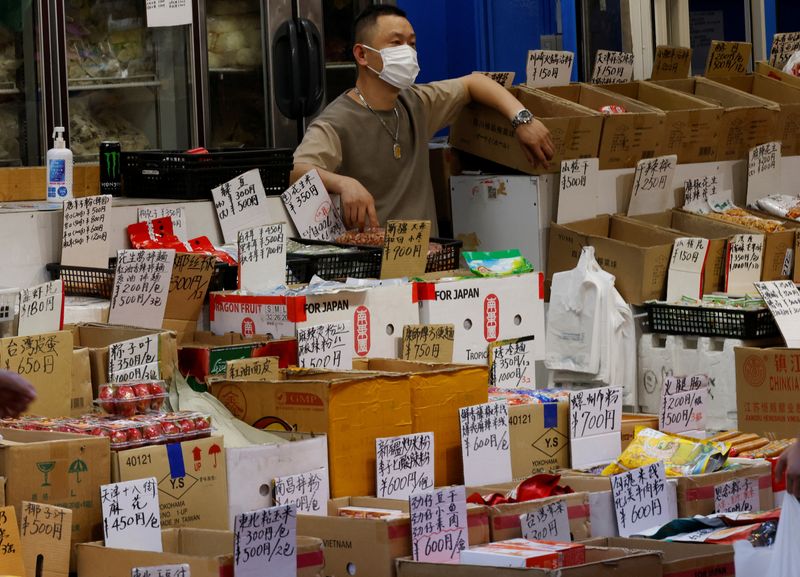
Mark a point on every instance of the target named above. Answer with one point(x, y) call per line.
point(789, 464)
point(534, 138)
point(358, 206)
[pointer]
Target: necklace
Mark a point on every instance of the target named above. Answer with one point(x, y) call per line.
point(396, 150)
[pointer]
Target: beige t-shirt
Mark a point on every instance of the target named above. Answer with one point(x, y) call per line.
point(347, 138)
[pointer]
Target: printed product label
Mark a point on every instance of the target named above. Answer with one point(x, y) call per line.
point(57, 170)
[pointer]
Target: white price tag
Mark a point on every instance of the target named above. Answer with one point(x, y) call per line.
point(404, 465)
point(485, 447)
point(326, 346)
point(640, 499)
point(162, 571)
point(577, 190)
point(783, 301)
point(134, 359)
point(652, 185)
point(612, 67)
point(784, 44)
point(686, 268)
point(549, 68)
point(512, 364)
point(141, 288)
point(41, 309)
point(684, 402)
point(131, 515)
point(548, 523)
point(87, 224)
point(262, 257)
point(177, 214)
point(308, 492)
point(265, 542)
point(744, 263)
point(697, 191)
point(595, 418)
point(439, 530)
point(763, 171)
point(168, 13)
point(241, 203)
point(737, 496)
point(312, 210)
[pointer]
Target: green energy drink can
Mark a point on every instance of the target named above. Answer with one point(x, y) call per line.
point(111, 167)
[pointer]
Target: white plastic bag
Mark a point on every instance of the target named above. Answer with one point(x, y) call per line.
point(793, 61)
point(786, 551)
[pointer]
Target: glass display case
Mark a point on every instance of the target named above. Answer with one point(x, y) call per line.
point(20, 100)
point(126, 82)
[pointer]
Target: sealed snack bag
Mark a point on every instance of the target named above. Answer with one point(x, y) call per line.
point(499, 263)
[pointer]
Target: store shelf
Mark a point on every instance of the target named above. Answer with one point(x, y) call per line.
point(233, 70)
point(77, 84)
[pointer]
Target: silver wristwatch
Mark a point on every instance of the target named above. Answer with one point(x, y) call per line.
point(524, 116)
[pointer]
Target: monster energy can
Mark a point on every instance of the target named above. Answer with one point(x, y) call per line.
point(111, 167)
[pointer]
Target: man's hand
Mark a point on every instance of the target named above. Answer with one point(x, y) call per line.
point(789, 463)
point(16, 393)
point(358, 206)
point(536, 143)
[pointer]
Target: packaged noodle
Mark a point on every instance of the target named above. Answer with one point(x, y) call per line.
point(681, 456)
point(499, 263)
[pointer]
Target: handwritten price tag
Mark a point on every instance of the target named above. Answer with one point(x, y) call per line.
point(41, 309)
point(697, 193)
point(188, 285)
point(685, 275)
point(728, 58)
point(261, 369)
point(241, 204)
point(671, 62)
point(131, 515)
point(11, 562)
point(162, 571)
point(504, 79)
point(763, 171)
point(428, 343)
point(326, 346)
point(577, 189)
point(595, 418)
point(134, 359)
point(745, 259)
point(784, 44)
point(312, 210)
point(168, 13)
point(404, 465)
point(683, 404)
point(783, 301)
point(262, 257)
point(640, 499)
point(612, 67)
point(439, 529)
point(46, 532)
point(177, 215)
point(652, 185)
point(737, 496)
point(485, 445)
point(405, 249)
point(308, 492)
point(265, 542)
point(141, 288)
point(549, 68)
point(85, 239)
point(548, 523)
point(511, 363)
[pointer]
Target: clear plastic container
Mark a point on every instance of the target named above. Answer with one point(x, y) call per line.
point(132, 398)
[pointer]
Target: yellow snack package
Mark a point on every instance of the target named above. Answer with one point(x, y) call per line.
point(681, 456)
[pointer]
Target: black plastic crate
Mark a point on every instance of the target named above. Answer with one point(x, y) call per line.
point(180, 175)
point(448, 258)
point(710, 321)
point(361, 262)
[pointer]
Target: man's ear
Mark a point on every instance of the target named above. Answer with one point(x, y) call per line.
point(360, 54)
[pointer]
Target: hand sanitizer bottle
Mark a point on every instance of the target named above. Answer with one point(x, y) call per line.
point(59, 168)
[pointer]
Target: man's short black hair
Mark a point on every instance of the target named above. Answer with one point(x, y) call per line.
point(369, 16)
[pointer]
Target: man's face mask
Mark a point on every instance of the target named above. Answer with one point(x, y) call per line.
point(400, 67)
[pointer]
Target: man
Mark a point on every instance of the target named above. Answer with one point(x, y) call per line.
point(370, 145)
point(789, 464)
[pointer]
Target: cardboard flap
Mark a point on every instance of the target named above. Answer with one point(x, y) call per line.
point(640, 234)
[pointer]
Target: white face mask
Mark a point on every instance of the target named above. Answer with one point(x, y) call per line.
point(400, 67)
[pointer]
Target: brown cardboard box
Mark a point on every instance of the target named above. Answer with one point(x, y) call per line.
point(636, 253)
point(370, 546)
point(690, 125)
point(352, 409)
point(188, 287)
point(504, 519)
point(208, 553)
point(26, 183)
point(768, 391)
point(777, 74)
point(486, 133)
point(539, 435)
point(599, 563)
point(696, 492)
point(785, 95)
point(98, 337)
point(680, 559)
point(81, 397)
point(629, 423)
point(57, 469)
point(627, 137)
point(746, 122)
point(437, 392)
point(192, 480)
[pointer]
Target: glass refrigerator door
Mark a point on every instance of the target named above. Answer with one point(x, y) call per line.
point(126, 82)
point(19, 86)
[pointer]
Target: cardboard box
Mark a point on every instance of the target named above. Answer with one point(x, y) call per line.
point(637, 254)
point(370, 546)
point(437, 392)
point(26, 183)
point(485, 310)
point(746, 122)
point(484, 132)
point(252, 469)
point(208, 553)
point(600, 562)
point(680, 559)
point(768, 391)
point(192, 480)
point(777, 74)
point(539, 436)
point(351, 409)
point(98, 337)
point(208, 354)
point(787, 97)
point(57, 469)
point(632, 420)
point(627, 137)
point(378, 315)
point(690, 125)
point(249, 315)
point(81, 396)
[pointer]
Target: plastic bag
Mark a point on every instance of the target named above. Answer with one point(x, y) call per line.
point(793, 64)
point(786, 553)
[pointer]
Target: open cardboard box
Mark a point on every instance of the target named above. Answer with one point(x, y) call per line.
point(208, 553)
point(690, 125)
point(627, 137)
point(746, 122)
point(484, 132)
point(636, 253)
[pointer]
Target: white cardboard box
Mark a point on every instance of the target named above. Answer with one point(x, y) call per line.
point(378, 314)
point(233, 312)
point(252, 469)
point(485, 310)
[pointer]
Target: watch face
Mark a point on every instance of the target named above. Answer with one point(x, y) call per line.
point(525, 115)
